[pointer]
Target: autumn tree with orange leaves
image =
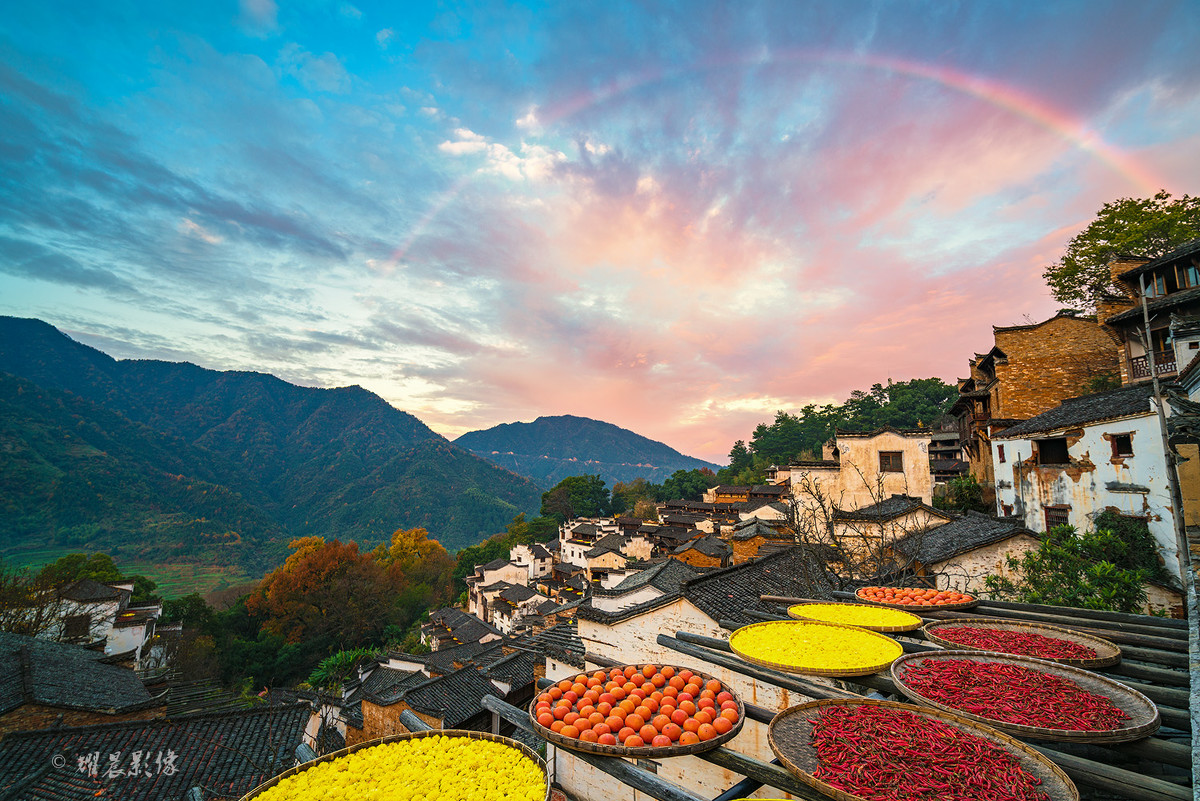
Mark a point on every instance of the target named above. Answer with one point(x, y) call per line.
point(333, 596)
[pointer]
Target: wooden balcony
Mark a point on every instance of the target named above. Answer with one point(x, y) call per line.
point(1164, 364)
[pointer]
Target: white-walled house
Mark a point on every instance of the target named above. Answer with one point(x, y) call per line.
point(1088, 455)
point(535, 558)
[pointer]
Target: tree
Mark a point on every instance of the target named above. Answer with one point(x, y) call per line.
point(325, 591)
point(1103, 569)
point(576, 496)
point(627, 494)
point(1135, 226)
point(963, 493)
point(689, 485)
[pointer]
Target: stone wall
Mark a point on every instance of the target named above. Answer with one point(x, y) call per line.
point(1048, 363)
point(383, 721)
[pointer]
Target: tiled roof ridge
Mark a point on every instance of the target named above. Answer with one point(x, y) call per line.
point(858, 433)
point(1070, 314)
point(279, 709)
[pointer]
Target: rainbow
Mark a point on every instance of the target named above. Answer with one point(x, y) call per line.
point(1003, 96)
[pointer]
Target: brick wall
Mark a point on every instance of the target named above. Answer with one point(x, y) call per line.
point(1049, 363)
point(745, 550)
point(33, 717)
point(384, 721)
point(696, 559)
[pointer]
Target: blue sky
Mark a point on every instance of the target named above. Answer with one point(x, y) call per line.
point(676, 217)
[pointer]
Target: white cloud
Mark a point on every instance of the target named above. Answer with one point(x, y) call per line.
point(323, 73)
point(191, 228)
point(462, 148)
point(349, 12)
point(530, 121)
point(259, 17)
point(385, 37)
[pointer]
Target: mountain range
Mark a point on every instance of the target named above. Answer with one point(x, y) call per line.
point(551, 448)
point(171, 461)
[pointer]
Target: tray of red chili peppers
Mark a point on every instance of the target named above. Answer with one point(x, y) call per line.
point(856, 749)
point(1027, 697)
point(1038, 640)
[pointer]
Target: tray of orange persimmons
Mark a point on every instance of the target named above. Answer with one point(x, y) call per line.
point(638, 710)
point(908, 597)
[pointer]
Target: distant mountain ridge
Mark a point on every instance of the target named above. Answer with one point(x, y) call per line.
point(551, 448)
point(293, 461)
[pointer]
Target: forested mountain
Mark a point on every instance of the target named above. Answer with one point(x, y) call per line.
point(293, 461)
point(551, 448)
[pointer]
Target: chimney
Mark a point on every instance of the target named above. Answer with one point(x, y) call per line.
point(1123, 264)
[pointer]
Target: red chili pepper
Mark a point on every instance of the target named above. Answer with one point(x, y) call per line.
point(914, 758)
point(1006, 641)
point(1013, 694)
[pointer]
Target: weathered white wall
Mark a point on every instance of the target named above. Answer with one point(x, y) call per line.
point(966, 572)
point(1028, 488)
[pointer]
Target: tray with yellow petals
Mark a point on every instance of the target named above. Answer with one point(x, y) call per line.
point(865, 616)
point(815, 648)
point(449, 765)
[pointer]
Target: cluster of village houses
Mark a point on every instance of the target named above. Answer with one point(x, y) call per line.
point(1045, 452)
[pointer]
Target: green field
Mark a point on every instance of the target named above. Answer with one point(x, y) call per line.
point(174, 580)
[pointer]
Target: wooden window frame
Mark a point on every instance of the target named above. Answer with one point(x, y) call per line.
point(891, 461)
point(1000, 452)
point(1057, 515)
point(1042, 460)
point(1116, 451)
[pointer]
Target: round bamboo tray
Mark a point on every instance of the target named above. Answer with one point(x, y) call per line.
point(473, 735)
point(583, 746)
point(913, 607)
point(790, 735)
point(797, 625)
point(1143, 714)
point(797, 612)
point(1107, 653)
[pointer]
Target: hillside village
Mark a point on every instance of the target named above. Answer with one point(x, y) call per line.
point(623, 590)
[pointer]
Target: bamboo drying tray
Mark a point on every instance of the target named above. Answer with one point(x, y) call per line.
point(1107, 653)
point(862, 670)
point(1143, 714)
point(911, 607)
point(574, 744)
point(472, 735)
point(790, 735)
point(797, 612)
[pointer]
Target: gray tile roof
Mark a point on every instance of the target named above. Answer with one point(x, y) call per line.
point(89, 591)
point(227, 754)
point(538, 551)
point(749, 529)
point(69, 676)
point(709, 546)
point(562, 643)
point(724, 593)
point(383, 680)
point(888, 509)
point(666, 576)
point(494, 564)
point(609, 543)
point(1154, 305)
point(1124, 402)
point(443, 659)
point(972, 530)
point(517, 593)
point(453, 698)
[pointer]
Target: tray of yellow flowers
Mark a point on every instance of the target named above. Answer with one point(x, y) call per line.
point(814, 648)
point(448, 765)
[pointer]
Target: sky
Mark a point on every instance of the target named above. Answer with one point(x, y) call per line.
point(674, 217)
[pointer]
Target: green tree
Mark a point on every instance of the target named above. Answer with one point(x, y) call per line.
point(1135, 226)
point(1101, 569)
point(626, 494)
point(963, 493)
point(687, 484)
point(76, 566)
point(576, 496)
